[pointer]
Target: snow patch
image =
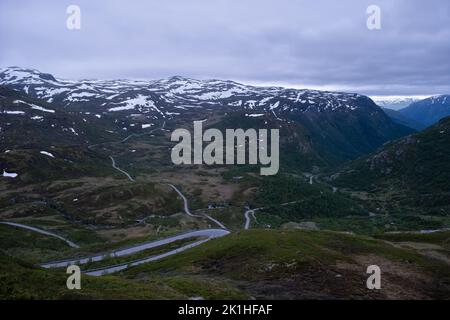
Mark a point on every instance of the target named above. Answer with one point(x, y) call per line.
point(254, 115)
point(13, 112)
point(47, 154)
point(9, 174)
point(35, 107)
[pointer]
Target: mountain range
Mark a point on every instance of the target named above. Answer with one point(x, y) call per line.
point(428, 111)
point(415, 112)
point(396, 102)
point(320, 128)
point(54, 125)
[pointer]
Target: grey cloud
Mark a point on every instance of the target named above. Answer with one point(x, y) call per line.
point(323, 44)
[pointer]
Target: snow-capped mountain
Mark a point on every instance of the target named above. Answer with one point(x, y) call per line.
point(429, 111)
point(29, 122)
point(396, 102)
point(167, 98)
point(332, 126)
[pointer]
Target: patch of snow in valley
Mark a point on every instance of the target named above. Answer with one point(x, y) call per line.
point(264, 101)
point(130, 104)
point(275, 105)
point(47, 154)
point(14, 112)
point(9, 174)
point(218, 95)
point(254, 115)
point(83, 95)
point(35, 107)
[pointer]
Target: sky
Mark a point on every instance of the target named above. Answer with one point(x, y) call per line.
point(295, 43)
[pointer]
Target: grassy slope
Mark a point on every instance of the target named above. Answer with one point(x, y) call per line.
point(306, 264)
point(256, 263)
point(440, 238)
point(20, 280)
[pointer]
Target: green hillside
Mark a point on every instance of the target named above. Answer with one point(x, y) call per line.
point(295, 264)
point(411, 172)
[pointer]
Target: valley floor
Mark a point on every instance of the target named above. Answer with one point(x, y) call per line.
point(142, 229)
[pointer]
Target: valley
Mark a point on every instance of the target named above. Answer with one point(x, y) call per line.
point(94, 170)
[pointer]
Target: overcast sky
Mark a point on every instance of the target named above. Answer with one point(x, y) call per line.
point(298, 43)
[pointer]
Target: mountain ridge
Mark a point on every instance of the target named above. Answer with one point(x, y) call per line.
point(336, 126)
point(428, 111)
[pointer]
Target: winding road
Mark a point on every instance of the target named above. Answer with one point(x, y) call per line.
point(252, 212)
point(120, 170)
point(186, 207)
point(120, 267)
point(209, 233)
point(113, 161)
point(47, 233)
point(188, 212)
point(247, 217)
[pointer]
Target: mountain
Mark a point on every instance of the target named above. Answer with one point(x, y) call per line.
point(320, 128)
point(31, 122)
point(428, 111)
point(395, 102)
point(42, 143)
point(399, 118)
point(412, 172)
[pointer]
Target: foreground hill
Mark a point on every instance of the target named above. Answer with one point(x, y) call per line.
point(293, 264)
point(21, 280)
point(261, 264)
point(413, 171)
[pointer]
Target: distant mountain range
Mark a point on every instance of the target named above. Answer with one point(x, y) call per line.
point(415, 112)
point(317, 127)
point(396, 102)
point(428, 111)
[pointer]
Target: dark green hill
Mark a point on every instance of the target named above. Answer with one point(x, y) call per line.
point(413, 171)
point(294, 264)
point(21, 280)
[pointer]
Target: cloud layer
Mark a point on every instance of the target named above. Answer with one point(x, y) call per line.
point(301, 43)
